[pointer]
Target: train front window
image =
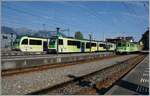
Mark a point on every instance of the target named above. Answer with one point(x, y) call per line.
point(121, 44)
point(25, 42)
point(52, 41)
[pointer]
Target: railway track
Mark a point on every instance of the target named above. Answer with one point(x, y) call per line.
point(51, 55)
point(19, 55)
point(96, 83)
point(10, 72)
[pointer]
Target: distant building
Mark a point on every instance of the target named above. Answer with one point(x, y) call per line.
point(7, 39)
point(130, 38)
point(118, 39)
point(113, 40)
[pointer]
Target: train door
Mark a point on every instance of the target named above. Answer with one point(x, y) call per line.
point(97, 46)
point(45, 47)
point(82, 47)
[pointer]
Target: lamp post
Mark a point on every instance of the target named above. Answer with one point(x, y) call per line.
point(90, 37)
point(68, 32)
point(11, 40)
point(57, 37)
point(43, 27)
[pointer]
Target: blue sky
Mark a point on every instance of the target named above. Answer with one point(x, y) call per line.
point(108, 19)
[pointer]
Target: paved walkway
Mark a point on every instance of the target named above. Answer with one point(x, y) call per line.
point(134, 83)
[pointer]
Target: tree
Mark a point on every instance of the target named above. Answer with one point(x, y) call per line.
point(145, 40)
point(78, 35)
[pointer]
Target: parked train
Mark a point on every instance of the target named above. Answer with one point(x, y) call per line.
point(58, 44)
point(30, 44)
point(66, 45)
point(127, 47)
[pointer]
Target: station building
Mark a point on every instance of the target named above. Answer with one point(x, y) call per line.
point(7, 40)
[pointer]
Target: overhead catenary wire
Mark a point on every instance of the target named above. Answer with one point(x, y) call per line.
point(27, 23)
point(38, 16)
point(131, 10)
point(91, 12)
point(28, 33)
point(30, 13)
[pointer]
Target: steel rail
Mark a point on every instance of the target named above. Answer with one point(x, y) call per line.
point(108, 76)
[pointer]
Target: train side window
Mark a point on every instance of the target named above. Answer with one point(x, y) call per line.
point(78, 44)
point(101, 45)
point(35, 42)
point(108, 46)
point(25, 42)
point(104, 46)
point(93, 44)
point(72, 43)
point(60, 42)
point(88, 45)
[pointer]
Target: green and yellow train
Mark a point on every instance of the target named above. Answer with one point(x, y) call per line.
point(58, 44)
point(30, 44)
point(127, 47)
point(66, 45)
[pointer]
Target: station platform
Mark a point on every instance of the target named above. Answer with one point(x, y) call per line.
point(36, 60)
point(136, 82)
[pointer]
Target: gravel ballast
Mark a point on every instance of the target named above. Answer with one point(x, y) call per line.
point(30, 82)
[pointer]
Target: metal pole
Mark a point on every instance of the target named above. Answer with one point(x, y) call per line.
point(43, 27)
point(57, 36)
point(68, 32)
point(11, 40)
point(90, 37)
point(103, 36)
